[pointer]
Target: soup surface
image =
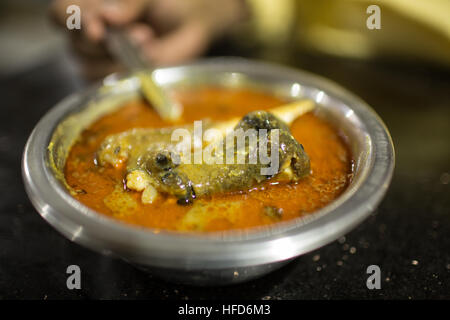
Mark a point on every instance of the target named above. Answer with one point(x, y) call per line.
point(102, 188)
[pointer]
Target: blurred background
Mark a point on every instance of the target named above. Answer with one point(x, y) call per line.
point(26, 35)
point(402, 70)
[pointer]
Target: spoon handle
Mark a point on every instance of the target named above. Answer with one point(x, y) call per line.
point(126, 52)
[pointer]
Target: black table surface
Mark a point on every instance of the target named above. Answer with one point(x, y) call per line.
point(408, 236)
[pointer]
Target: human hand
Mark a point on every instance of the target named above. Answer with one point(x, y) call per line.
point(165, 31)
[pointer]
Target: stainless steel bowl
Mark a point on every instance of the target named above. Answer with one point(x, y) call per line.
point(217, 258)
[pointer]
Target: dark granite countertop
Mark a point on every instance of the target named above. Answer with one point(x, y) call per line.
point(408, 236)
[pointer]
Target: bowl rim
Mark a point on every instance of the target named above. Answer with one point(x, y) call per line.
point(262, 245)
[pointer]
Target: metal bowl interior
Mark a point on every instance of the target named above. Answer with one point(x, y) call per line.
point(368, 139)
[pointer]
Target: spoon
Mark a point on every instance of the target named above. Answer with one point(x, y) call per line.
point(126, 52)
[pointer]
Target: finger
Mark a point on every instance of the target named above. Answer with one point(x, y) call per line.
point(140, 34)
point(186, 42)
point(58, 11)
point(120, 12)
point(93, 27)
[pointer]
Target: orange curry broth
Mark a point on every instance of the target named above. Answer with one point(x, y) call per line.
point(98, 187)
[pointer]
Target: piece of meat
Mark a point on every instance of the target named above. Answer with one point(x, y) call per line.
point(153, 160)
point(188, 181)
